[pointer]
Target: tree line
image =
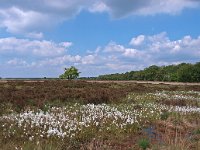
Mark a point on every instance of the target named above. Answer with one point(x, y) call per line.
point(184, 72)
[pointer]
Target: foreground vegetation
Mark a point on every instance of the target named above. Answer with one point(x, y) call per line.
point(81, 115)
point(183, 72)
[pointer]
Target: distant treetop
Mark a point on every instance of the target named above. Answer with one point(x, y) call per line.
point(70, 73)
point(184, 72)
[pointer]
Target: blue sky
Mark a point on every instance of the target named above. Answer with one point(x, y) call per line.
point(39, 38)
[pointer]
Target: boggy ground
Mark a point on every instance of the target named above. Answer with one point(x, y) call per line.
point(60, 114)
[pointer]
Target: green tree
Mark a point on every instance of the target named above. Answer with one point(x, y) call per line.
point(151, 72)
point(185, 72)
point(160, 74)
point(196, 74)
point(170, 73)
point(70, 73)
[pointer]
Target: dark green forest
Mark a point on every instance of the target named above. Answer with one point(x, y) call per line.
point(184, 72)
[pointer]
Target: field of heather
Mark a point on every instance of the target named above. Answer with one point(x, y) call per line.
point(70, 115)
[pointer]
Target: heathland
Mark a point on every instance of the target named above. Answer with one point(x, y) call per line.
point(61, 114)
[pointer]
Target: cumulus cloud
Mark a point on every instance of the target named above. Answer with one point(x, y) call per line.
point(160, 47)
point(112, 47)
point(137, 41)
point(186, 45)
point(57, 61)
point(17, 62)
point(39, 48)
point(16, 20)
point(98, 7)
point(156, 49)
point(132, 53)
point(32, 17)
point(89, 59)
point(22, 17)
point(118, 8)
point(66, 44)
point(35, 35)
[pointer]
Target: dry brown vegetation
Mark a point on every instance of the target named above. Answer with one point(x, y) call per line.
point(23, 93)
point(163, 126)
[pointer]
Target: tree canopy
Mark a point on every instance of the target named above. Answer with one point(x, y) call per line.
point(184, 72)
point(70, 73)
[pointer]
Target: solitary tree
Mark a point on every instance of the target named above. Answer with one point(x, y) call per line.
point(70, 73)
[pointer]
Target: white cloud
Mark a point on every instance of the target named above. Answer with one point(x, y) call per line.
point(113, 47)
point(167, 7)
point(25, 17)
point(89, 59)
point(187, 40)
point(137, 41)
point(32, 17)
point(40, 55)
point(160, 44)
point(158, 38)
point(18, 21)
point(35, 35)
point(155, 49)
point(99, 7)
point(33, 47)
point(129, 52)
point(17, 62)
point(119, 8)
point(57, 61)
point(66, 44)
point(176, 49)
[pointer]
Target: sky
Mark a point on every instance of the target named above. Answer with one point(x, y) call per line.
point(39, 38)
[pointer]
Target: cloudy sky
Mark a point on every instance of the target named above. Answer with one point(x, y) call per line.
point(39, 38)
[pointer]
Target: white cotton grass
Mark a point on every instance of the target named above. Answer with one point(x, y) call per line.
point(178, 95)
point(68, 121)
point(71, 120)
